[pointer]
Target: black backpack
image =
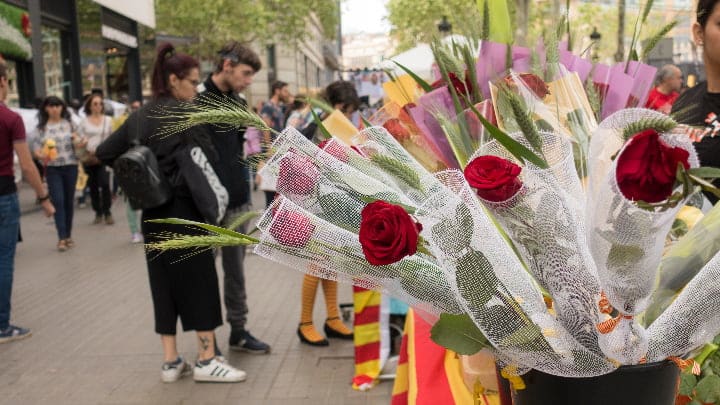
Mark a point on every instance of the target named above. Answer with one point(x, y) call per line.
point(138, 174)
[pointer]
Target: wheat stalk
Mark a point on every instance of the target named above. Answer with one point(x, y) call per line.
point(660, 124)
point(397, 169)
point(207, 109)
point(655, 39)
point(524, 121)
point(174, 241)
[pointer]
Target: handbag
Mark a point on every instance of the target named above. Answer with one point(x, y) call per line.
point(138, 174)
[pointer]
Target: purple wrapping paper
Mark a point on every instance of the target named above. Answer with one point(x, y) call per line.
point(644, 76)
point(429, 126)
point(576, 64)
point(491, 63)
point(619, 90)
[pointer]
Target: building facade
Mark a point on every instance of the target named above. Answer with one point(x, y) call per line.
point(68, 47)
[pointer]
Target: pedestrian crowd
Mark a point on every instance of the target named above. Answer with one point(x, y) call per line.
point(71, 151)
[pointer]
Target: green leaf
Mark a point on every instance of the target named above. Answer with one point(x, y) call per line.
point(515, 148)
point(422, 83)
point(708, 389)
point(335, 212)
point(241, 219)
point(624, 255)
point(365, 122)
point(410, 210)
point(212, 228)
point(687, 384)
point(459, 334)
point(705, 172)
point(321, 104)
point(320, 125)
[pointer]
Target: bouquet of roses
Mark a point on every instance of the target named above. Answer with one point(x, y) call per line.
point(510, 254)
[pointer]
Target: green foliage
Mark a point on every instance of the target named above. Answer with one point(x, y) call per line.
point(414, 22)
point(459, 334)
point(214, 23)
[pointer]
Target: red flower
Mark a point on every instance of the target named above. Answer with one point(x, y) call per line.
point(297, 175)
point(646, 167)
point(387, 233)
point(397, 129)
point(496, 179)
point(337, 151)
point(291, 229)
point(533, 82)
point(461, 87)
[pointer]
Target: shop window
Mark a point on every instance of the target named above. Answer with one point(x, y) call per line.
point(52, 61)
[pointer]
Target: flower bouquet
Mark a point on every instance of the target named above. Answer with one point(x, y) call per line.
point(541, 244)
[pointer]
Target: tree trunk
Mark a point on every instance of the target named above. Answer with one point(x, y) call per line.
point(620, 54)
point(522, 9)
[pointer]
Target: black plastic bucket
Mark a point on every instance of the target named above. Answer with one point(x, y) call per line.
point(642, 384)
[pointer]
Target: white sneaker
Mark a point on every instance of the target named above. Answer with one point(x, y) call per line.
point(136, 238)
point(172, 372)
point(216, 371)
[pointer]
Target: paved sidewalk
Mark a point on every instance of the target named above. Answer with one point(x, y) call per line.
point(93, 341)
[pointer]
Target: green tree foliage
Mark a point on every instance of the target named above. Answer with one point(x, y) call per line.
point(212, 23)
point(416, 22)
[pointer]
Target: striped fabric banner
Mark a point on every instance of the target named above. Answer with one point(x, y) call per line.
point(428, 374)
point(371, 336)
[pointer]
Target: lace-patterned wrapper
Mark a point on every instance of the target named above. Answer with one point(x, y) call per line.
point(692, 319)
point(626, 241)
point(494, 289)
point(299, 239)
point(547, 226)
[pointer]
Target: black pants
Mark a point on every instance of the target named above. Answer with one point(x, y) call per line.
point(100, 193)
point(183, 283)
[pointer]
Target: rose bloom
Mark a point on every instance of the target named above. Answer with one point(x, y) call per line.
point(297, 175)
point(397, 129)
point(291, 229)
point(646, 167)
point(387, 233)
point(533, 82)
point(337, 151)
point(461, 87)
point(496, 179)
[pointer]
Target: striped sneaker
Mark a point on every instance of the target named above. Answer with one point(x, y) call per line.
point(216, 371)
point(172, 372)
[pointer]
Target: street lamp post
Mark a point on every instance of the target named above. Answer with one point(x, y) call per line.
point(595, 37)
point(444, 26)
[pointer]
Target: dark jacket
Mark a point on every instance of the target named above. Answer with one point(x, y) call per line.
point(143, 125)
point(228, 142)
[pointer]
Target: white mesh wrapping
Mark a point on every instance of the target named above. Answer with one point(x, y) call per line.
point(494, 289)
point(547, 226)
point(574, 245)
point(378, 140)
point(297, 238)
point(626, 241)
point(692, 319)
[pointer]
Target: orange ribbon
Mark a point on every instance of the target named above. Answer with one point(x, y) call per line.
point(683, 364)
point(608, 326)
point(604, 304)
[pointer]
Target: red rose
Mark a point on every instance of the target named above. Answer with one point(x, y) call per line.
point(387, 233)
point(397, 129)
point(291, 229)
point(461, 87)
point(646, 167)
point(533, 82)
point(496, 179)
point(336, 150)
point(297, 175)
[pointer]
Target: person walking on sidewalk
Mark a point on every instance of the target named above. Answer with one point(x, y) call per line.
point(183, 282)
point(12, 138)
point(53, 145)
point(93, 129)
point(235, 67)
